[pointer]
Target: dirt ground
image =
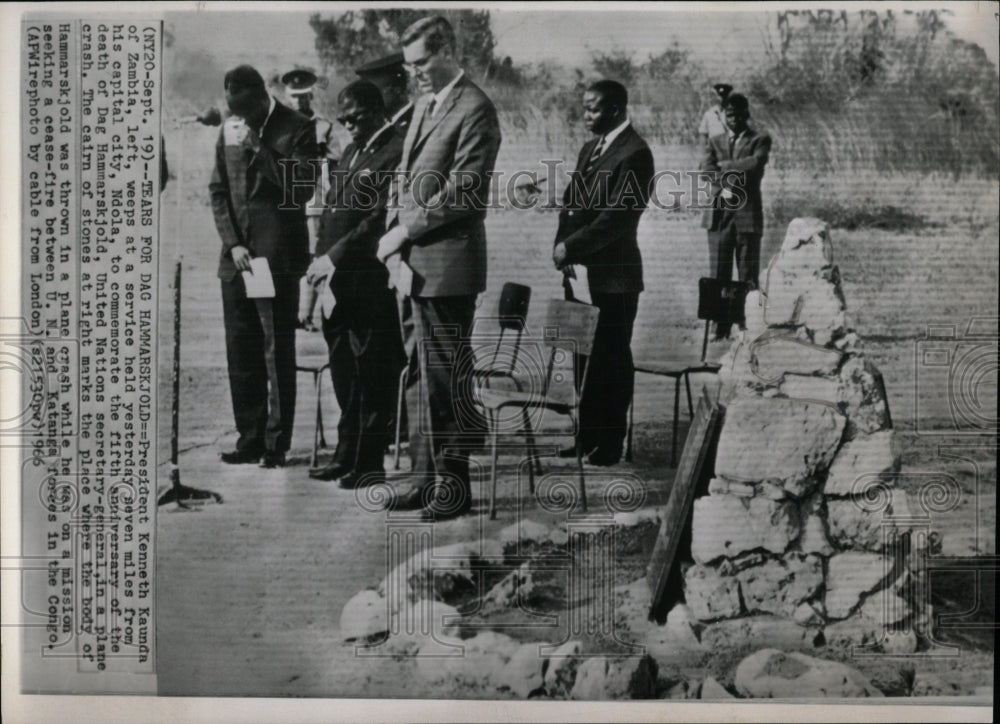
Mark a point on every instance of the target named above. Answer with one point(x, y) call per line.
point(249, 592)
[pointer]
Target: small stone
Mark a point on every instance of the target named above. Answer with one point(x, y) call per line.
point(886, 607)
point(782, 441)
point(712, 690)
point(863, 461)
point(522, 675)
point(809, 238)
point(514, 589)
point(855, 631)
point(861, 395)
point(725, 525)
point(732, 566)
point(444, 573)
point(632, 605)
point(772, 491)
point(892, 678)
point(928, 684)
point(366, 614)
point(808, 614)
point(779, 586)
point(604, 678)
point(560, 668)
point(774, 674)
point(711, 596)
point(480, 662)
point(760, 631)
point(778, 356)
point(810, 388)
point(899, 642)
point(849, 577)
point(721, 486)
point(814, 537)
point(868, 524)
point(634, 518)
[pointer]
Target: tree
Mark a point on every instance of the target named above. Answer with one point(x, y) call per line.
point(355, 37)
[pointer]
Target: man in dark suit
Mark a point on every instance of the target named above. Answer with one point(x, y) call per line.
point(362, 332)
point(389, 75)
point(264, 148)
point(734, 162)
point(436, 251)
point(597, 229)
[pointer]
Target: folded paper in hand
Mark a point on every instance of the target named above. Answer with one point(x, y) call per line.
point(258, 280)
point(580, 287)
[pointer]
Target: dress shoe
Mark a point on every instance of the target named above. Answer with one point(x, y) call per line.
point(241, 457)
point(447, 505)
point(272, 459)
point(331, 472)
point(353, 481)
point(604, 457)
point(412, 499)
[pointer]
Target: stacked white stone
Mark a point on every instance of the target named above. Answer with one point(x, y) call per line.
point(794, 537)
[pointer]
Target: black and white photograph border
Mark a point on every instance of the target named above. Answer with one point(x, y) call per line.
point(761, 493)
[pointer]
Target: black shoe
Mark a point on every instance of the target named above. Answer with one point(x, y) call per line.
point(353, 481)
point(447, 504)
point(604, 458)
point(331, 472)
point(272, 459)
point(412, 499)
point(241, 457)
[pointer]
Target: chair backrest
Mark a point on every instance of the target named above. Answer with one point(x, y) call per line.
point(569, 333)
point(721, 300)
point(513, 307)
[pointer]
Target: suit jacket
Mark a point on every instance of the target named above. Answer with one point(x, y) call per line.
point(601, 212)
point(354, 218)
point(748, 159)
point(443, 192)
point(402, 124)
point(249, 198)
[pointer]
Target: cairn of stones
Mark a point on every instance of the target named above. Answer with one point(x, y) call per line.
point(803, 538)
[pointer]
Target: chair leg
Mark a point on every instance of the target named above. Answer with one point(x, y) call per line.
point(583, 487)
point(318, 433)
point(399, 416)
point(687, 386)
point(493, 473)
point(677, 409)
point(532, 458)
point(628, 437)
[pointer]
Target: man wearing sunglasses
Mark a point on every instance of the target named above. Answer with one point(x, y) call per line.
point(435, 248)
point(362, 328)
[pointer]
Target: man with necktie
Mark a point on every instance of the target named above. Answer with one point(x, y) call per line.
point(264, 148)
point(362, 331)
point(435, 247)
point(734, 162)
point(607, 194)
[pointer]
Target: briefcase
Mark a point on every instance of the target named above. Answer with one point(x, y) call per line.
point(722, 301)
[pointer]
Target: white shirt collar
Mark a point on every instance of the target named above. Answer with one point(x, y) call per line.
point(375, 135)
point(270, 109)
point(440, 96)
point(400, 112)
point(613, 134)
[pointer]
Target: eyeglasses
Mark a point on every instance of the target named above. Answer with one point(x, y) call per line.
point(353, 119)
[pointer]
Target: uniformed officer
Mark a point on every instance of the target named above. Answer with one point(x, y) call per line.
point(390, 76)
point(714, 121)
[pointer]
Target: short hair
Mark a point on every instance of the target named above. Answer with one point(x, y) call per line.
point(364, 93)
point(738, 102)
point(434, 29)
point(243, 77)
point(611, 91)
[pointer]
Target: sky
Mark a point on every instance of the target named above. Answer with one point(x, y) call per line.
point(713, 36)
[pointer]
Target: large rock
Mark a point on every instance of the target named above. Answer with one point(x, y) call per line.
point(522, 675)
point(711, 596)
point(725, 525)
point(868, 524)
point(803, 297)
point(480, 661)
point(810, 388)
point(774, 674)
point(772, 358)
point(760, 631)
point(787, 442)
point(887, 607)
point(851, 576)
point(560, 668)
point(445, 573)
point(807, 244)
point(365, 615)
point(861, 396)
point(603, 678)
point(736, 377)
point(779, 586)
point(856, 631)
point(864, 460)
point(515, 589)
point(814, 538)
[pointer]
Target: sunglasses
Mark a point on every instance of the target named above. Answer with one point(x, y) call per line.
point(353, 119)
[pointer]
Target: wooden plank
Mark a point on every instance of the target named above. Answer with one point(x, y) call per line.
point(689, 472)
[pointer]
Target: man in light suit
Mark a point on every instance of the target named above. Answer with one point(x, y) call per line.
point(263, 150)
point(597, 229)
point(362, 331)
point(435, 247)
point(734, 162)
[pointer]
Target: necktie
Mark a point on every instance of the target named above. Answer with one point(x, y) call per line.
point(592, 161)
point(732, 144)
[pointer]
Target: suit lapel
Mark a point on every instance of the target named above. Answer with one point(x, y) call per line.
point(427, 125)
point(609, 154)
